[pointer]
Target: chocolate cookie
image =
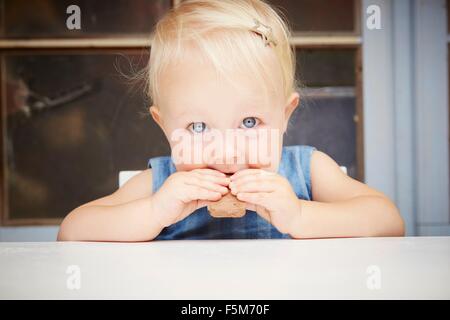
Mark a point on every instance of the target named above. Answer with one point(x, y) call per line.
point(227, 207)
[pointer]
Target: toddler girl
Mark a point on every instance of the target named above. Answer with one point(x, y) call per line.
point(221, 78)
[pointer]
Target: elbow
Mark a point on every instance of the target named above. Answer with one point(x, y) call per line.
point(392, 225)
point(401, 230)
point(64, 232)
point(396, 227)
point(397, 224)
point(63, 235)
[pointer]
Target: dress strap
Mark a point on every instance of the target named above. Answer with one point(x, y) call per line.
point(295, 166)
point(162, 168)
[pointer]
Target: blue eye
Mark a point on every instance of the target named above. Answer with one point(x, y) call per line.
point(250, 122)
point(197, 127)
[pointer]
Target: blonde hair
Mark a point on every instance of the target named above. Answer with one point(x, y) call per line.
point(221, 30)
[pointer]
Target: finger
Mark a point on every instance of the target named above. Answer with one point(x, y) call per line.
point(259, 198)
point(252, 177)
point(247, 172)
point(244, 172)
point(198, 193)
point(203, 203)
point(253, 186)
point(263, 213)
point(197, 205)
point(209, 172)
point(250, 206)
point(260, 210)
point(225, 181)
point(203, 194)
point(207, 185)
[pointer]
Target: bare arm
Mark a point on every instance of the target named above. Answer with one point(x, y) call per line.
point(344, 207)
point(125, 215)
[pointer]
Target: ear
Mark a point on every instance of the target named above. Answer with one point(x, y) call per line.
point(156, 115)
point(291, 103)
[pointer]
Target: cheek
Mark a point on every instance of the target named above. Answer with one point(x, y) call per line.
point(263, 149)
point(187, 150)
point(189, 167)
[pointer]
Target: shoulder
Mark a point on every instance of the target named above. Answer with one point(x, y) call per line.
point(295, 166)
point(329, 183)
point(162, 166)
point(299, 148)
point(159, 161)
point(299, 154)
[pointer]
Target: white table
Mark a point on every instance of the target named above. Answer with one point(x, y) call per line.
point(367, 268)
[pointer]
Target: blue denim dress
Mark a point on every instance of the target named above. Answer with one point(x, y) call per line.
point(294, 165)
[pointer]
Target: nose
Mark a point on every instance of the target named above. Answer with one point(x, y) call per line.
point(230, 153)
point(228, 159)
point(226, 163)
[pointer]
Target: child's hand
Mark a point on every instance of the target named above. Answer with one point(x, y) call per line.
point(269, 194)
point(184, 192)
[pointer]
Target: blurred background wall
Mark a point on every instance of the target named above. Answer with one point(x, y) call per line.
point(374, 97)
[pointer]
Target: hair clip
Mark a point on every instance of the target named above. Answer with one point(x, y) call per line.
point(264, 31)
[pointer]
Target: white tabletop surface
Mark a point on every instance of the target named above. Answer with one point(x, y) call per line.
point(364, 268)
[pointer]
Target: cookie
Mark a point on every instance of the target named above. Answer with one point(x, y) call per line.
point(227, 207)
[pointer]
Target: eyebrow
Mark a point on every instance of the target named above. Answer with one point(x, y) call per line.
point(185, 113)
point(253, 109)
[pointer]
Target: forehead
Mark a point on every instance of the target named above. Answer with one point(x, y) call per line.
point(198, 84)
point(195, 83)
